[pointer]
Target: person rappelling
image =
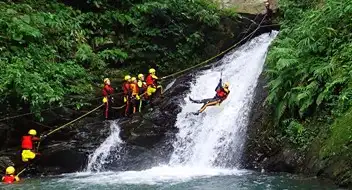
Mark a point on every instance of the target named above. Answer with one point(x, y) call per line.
point(10, 176)
point(28, 152)
point(222, 91)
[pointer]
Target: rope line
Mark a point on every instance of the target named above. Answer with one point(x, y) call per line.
point(212, 58)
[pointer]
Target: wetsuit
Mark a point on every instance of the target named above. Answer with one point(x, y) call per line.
point(127, 96)
point(107, 92)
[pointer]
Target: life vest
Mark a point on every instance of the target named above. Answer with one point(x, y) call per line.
point(222, 93)
point(151, 80)
point(126, 88)
point(142, 86)
point(107, 90)
point(27, 142)
point(134, 89)
point(8, 179)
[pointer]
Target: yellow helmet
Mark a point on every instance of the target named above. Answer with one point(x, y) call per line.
point(133, 79)
point(127, 77)
point(152, 71)
point(226, 85)
point(106, 80)
point(10, 170)
point(32, 132)
point(140, 76)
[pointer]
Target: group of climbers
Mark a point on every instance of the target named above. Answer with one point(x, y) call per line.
point(28, 153)
point(136, 93)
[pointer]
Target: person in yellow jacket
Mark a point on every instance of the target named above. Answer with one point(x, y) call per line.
point(152, 83)
point(10, 176)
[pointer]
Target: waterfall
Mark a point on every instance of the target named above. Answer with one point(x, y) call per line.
point(102, 154)
point(215, 137)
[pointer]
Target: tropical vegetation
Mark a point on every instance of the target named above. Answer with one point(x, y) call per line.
point(56, 52)
point(309, 69)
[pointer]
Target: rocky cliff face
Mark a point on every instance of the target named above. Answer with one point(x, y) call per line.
point(247, 6)
point(267, 150)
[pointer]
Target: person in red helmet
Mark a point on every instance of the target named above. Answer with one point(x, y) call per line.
point(222, 92)
point(108, 100)
point(28, 152)
point(10, 176)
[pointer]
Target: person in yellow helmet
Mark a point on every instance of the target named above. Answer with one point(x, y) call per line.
point(152, 83)
point(134, 94)
point(10, 176)
point(142, 85)
point(222, 91)
point(108, 99)
point(28, 152)
point(127, 93)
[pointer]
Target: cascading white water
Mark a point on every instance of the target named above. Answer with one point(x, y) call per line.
point(215, 137)
point(100, 156)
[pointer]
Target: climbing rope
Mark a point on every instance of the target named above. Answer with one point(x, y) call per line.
point(69, 123)
point(214, 57)
point(31, 113)
point(57, 129)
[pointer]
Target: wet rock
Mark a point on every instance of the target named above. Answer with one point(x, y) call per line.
point(5, 161)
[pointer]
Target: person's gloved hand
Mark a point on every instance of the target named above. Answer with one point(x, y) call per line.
point(105, 100)
point(220, 80)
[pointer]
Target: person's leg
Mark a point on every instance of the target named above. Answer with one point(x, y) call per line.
point(204, 101)
point(127, 108)
point(106, 113)
point(213, 103)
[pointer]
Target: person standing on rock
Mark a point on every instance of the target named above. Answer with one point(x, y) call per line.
point(127, 93)
point(28, 152)
point(134, 94)
point(142, 85)
point(108, 100)
point(10, 176)
point(152, 83)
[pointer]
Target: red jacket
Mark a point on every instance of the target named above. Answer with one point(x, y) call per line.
point(126, 88)
point(222, 94)
point(27, 142)
point(151, 80)
point(8, 179)
point(107, 90)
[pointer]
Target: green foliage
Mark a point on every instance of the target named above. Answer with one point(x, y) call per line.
point(52, 53)
point(340, 140)
point(309, 65)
